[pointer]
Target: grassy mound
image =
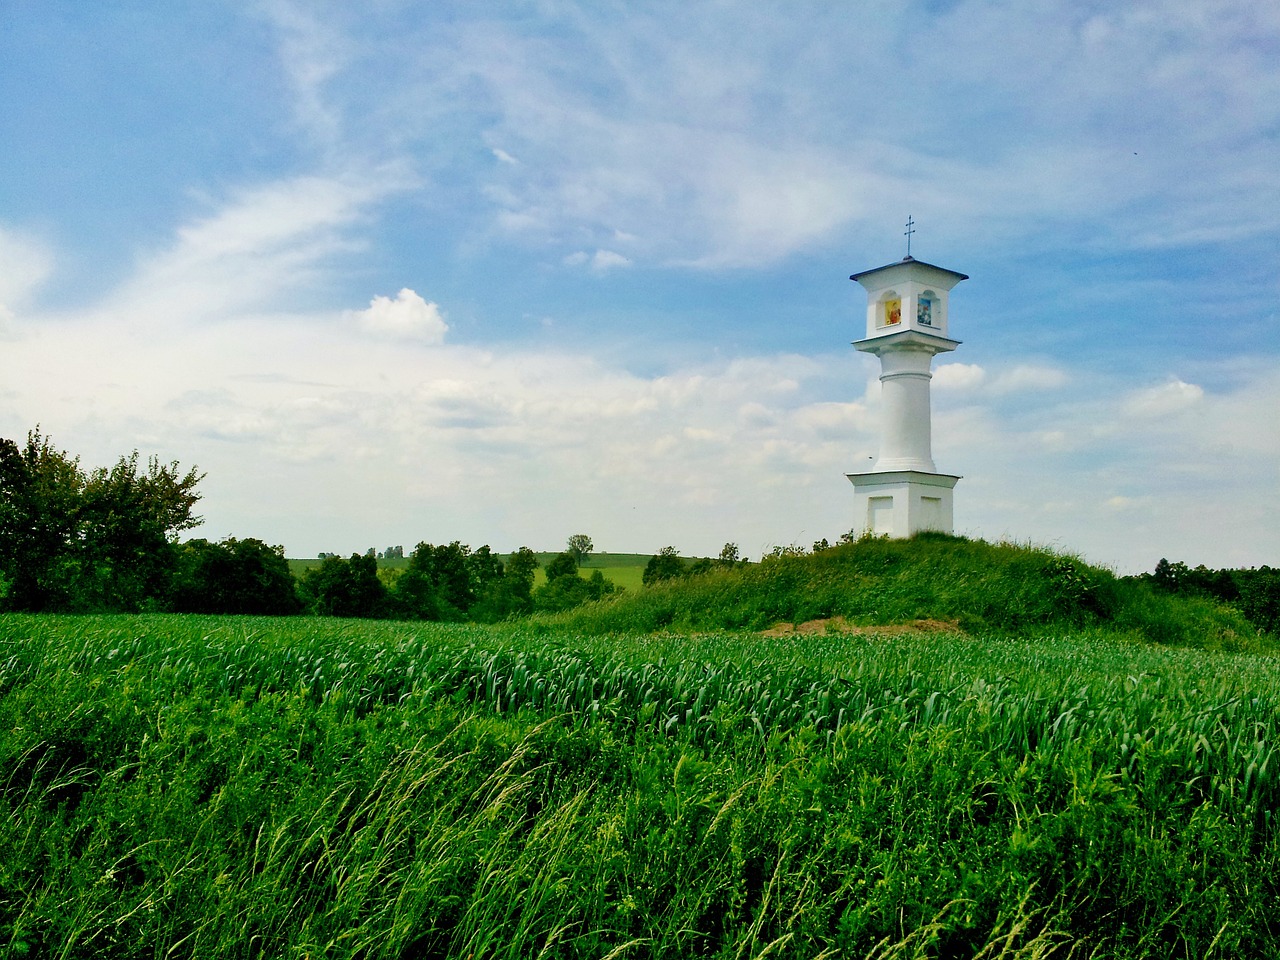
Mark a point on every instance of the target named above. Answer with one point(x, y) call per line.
point(980, 586)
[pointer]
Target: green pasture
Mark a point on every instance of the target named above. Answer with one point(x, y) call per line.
point(303, 787)
point(624, 569)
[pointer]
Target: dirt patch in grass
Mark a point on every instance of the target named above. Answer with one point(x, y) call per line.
point(841, 625)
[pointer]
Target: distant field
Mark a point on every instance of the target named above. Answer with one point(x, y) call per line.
point(624, 569)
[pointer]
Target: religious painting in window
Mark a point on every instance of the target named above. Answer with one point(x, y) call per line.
point(924, 311)
point(892, 312)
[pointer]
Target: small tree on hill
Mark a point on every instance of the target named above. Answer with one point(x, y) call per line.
point(565, 589)
point(580, 546)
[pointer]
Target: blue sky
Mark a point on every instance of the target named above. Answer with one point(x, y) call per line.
point(394, 271)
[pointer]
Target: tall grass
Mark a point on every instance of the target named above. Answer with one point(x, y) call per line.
point(239, 787)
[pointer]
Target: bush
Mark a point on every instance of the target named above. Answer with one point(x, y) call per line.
point(565, 589)
point(666, 565)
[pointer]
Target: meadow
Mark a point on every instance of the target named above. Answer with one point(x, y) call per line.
point(558, 787)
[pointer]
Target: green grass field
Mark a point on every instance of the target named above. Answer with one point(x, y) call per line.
point(561, 787)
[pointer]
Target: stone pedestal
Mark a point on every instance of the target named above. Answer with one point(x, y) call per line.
point(902, 503)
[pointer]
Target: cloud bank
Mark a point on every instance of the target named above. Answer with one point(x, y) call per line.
point(611, 229)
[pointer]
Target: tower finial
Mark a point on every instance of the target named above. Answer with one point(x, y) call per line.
point(909, 231)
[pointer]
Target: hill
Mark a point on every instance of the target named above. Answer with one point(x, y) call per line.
point(970, 585)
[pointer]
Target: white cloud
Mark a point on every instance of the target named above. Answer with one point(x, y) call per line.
point(1028, 377)
point(1164, 400)
point(712, 156)
point(645, 138)
point(312, 53)
point(25, 263)
point(600, 261)
point(407, 317)
point(262, 250)
point(323, 438)
point(606, 259)
point(958, 376)
point(1125, 503)
point(1019, 378)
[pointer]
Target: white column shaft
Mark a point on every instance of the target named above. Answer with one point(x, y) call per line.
point(904, 395)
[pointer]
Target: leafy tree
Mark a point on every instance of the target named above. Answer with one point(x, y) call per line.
point(103, 540)
point(698, 567)
point(729, 555)
point(666, 565)
point(512, 593)
point(414, 597)
point(562, 565)
point(444, 582)
point(39, 515)
point(345, 588)
point(484, 567)
point(1254, 592)
point(234, 576)
point(1260, 597)
point(580, 546)
point(128, 520)
point(1169, 576)
point(442, 572)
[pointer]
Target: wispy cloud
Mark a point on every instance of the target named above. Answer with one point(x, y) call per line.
point(1089, 123)
point(267, 243)
point(953, 376)
point(312, 53)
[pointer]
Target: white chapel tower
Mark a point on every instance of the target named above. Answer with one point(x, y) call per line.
point(906, 326)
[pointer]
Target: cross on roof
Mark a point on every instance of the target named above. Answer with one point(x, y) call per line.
point(907, 233)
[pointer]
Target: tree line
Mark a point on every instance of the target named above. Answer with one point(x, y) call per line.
point(74, 540)
point(1255, 592)
point(449, 582)
point(77, 540)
